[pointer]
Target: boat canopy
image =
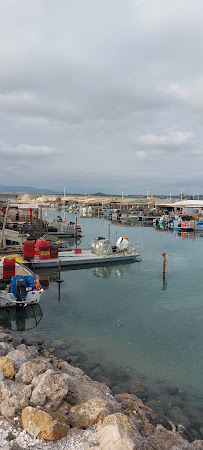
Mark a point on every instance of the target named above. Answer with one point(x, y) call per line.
point(101, 246)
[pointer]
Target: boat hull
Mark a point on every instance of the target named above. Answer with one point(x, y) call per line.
point(68, 259)
point(8, 300)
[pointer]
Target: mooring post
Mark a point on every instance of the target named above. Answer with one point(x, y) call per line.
point(59, 272)
point(109, 231)
point(76, 231)
point(165, 260)
point(59, 269)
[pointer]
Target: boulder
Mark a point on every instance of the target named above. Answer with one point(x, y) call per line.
point(14, 397)
point(87, 414)
point(197, 445)
point(81, 390)
point(50, 388)
point(117, 432)
point(5, 348)
point(4, 337)
point(7, 367)
point(27, 350)
point(134, 407)
point(31, 369)
point(163, 439)
point(22, 354)
point(156, 406)
point(44, 424)
point(138, 389)
point(178, 417)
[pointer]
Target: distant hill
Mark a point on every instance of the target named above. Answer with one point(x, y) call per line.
point(25, 189)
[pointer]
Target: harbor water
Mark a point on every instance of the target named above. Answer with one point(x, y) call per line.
point(125, 322)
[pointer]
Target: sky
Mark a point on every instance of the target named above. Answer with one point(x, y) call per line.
point(102, 95)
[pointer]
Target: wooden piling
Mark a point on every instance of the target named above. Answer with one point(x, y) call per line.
point(165, 260)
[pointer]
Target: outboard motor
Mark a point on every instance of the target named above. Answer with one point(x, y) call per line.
point(21, 289)
point(122, 244)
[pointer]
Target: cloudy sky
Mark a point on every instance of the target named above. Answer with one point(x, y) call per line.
point(102, 95)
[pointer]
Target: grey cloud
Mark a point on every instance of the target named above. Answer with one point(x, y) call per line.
point(102, 87)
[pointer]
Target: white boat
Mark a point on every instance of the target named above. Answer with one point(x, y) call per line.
point(60, 227)
point(21, 289)
point(102, 252)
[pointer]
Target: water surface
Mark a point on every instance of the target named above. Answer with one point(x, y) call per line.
point(128, 320)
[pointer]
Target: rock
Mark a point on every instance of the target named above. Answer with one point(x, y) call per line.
point(28, 350)
point(81, 390)
point(157, 406)
point(64, 408)
point(117, 432)
point(22, 354)
point(58, 343)
point(178, 417)
point(162, 420)
point(40, 342)
point(119, 375)
point(50, 388)
point(171, 390)
point(52, 350)
point(103, 379)
point(67, 368)
point(7, 367)
point(31, 369)
point(4, 337)
point(136, 388)
point(87, 414)
point(139, 414)
point(5, 348)
point(44, 424)
point(14, 397)
point(163, 439)
point(96, 371)
point(197, 445)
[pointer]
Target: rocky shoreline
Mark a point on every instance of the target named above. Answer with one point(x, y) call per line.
point(48, 403)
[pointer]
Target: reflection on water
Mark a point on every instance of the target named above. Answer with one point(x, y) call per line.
point(165, 284)
point(109, 271)
point(19, 318)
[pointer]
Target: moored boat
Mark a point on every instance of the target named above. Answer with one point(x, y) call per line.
point(102, 252)
point(18, 284)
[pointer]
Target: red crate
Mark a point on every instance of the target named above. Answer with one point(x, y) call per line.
point(29, 248)
point(77, 250)
point(9, 267)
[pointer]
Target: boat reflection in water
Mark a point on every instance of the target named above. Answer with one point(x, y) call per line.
point(110, 271)
point(21, 318)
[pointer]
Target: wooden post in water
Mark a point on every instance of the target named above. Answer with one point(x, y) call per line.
point(165, 260)
point(41, 220)
point(109, 231)
point(76, 231)
point(59, 270)
point(4, 225)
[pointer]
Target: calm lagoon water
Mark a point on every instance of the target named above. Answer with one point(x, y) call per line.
point(126, 319)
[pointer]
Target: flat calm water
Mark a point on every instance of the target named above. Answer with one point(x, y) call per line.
point(127, 321)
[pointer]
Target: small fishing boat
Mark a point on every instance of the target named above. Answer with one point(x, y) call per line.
point(60, 227)
point(101, 252)
point(18, 284)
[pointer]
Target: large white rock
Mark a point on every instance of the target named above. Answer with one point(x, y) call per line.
point(31, 369)
point(50, 388)
point(14, 397)
point(117, 432)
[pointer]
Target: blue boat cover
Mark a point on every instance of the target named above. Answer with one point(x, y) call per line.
point(29, 282)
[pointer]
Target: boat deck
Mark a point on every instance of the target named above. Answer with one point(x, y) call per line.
point(69, 258)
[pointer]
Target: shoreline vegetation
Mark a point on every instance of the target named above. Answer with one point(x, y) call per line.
point(48, 402)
